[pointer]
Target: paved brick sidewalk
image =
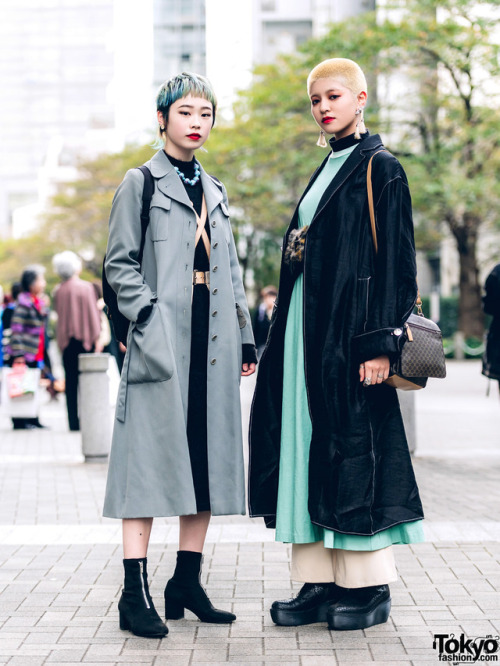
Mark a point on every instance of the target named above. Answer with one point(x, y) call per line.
point(61, 572)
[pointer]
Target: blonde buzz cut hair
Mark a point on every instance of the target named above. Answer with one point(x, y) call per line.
point(343, 70)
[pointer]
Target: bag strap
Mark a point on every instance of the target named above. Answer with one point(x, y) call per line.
point(371, 208)
point(147, 195)
point(200, 228)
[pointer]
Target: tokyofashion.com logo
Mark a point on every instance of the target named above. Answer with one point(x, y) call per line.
point(458, 650)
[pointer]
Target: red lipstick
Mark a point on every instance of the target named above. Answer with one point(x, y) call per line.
point(194, 137)
point(327, 119)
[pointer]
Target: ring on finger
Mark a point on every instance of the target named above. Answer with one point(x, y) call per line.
point(367, 381)
point(380, 376)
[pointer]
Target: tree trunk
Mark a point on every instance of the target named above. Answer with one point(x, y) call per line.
point(470, 312)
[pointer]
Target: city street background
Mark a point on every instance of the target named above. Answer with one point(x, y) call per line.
point(61, 570)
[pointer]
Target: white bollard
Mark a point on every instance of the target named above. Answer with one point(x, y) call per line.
point(94, 410)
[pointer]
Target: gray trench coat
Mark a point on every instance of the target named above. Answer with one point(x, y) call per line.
point(149, 468)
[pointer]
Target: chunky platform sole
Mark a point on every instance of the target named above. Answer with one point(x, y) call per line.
point(287, 618)
point(125, 626)
point(359, 620)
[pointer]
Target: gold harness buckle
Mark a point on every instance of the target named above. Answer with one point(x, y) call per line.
point(201, 277)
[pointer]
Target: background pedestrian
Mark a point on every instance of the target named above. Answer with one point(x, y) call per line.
point(78, 324)
point(27, 342)
point(262, 317)
point(491, 306)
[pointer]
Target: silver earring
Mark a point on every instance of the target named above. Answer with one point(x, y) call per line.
point(162, 128)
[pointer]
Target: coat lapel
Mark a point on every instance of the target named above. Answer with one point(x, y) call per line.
point(169, 182)
point(355, 159)
point(212, 192)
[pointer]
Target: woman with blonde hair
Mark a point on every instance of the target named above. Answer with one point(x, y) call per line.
point(329, 462)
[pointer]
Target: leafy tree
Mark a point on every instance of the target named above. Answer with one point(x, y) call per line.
point(431, 61)
point(78, 219)
point(15, 255)
point(265, 157)
point(447, 133)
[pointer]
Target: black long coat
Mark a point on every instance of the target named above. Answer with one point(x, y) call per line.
point(361, 479)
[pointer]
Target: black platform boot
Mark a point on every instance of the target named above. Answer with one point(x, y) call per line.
point(137, 611)
point(184, 590)
point(360, 608)
point(309, 606)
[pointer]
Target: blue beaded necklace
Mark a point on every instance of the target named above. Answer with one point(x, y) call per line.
point(189, 181)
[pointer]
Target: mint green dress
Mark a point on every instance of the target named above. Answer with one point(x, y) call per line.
point(293, 523)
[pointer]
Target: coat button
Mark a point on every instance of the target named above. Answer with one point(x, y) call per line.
point(214, 313)
point(214, 223)
point(215, 291)
point(214, 337)
point(213, 361)
point(215, 269)
point(215, 245)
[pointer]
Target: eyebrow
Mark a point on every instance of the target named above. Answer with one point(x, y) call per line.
point(191, 106)
point(327, 91)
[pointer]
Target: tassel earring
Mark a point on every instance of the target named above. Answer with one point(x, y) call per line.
point(360, 125)
point(321, 142)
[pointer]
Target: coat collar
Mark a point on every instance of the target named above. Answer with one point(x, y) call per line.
point(353, 162)
point(170, 184)
point(369, 144)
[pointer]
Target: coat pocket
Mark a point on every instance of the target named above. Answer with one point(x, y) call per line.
point(158, 216)
point(150, 355)
point(362, 303)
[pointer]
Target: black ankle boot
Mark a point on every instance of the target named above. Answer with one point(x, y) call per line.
point(308, 607)
point(360, 608)
point(184, 590)
point(137, 611)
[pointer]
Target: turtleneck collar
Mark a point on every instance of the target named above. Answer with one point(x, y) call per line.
point(187, 168)
point(346, 142)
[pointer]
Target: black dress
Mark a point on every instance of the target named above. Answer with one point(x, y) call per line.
point(197, 395)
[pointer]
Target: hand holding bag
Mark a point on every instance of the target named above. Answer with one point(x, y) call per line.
point(423, 354)
point(21, 381)
point(20, 392)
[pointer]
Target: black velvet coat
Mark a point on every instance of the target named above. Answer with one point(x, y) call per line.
point(361, 479)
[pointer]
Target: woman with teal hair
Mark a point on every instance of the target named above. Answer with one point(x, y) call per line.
point(177, 441)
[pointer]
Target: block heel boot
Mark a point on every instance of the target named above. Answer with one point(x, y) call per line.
point(136, 608)
point(184, 590)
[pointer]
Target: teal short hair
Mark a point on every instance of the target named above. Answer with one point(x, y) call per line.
point(183, 85)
